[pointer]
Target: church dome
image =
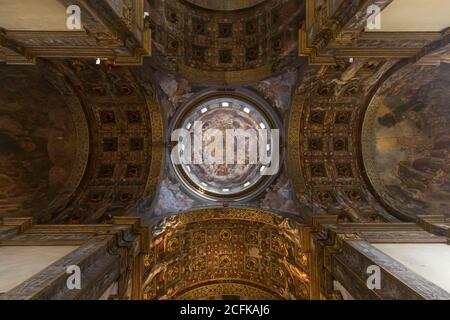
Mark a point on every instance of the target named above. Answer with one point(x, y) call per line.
point(219, 123)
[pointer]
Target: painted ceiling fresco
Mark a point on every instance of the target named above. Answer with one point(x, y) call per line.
point(38, 144)
point(219, 46)
point(223, 175)
point(407, 140)
point(75, 142)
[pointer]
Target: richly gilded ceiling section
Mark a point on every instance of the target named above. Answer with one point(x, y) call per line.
point(80, 143)
point(225, 46)
point(227, 253)
point(406, 141)
point(115, 30)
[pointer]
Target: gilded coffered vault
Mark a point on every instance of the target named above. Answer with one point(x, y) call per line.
point(88, 124)
point(227, 253)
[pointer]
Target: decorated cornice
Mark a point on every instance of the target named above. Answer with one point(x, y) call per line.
point(110, 30)
point(337, 31)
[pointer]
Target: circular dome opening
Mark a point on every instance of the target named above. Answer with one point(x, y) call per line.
point(227, 147)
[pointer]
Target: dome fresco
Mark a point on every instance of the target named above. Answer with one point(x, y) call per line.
point(223, 124)
point(406, 140)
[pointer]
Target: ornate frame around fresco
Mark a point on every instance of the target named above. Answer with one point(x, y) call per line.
point(326, 79)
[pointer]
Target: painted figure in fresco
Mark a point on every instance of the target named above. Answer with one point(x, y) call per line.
point(37, 146)
point(416, 117)
point(168, 224)
point(291, 232)
point(157, 269)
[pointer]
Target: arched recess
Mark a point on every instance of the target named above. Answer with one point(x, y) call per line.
point(126, 131)
point(225, 5)
point(406, 141)
point(400, 100)
point(44, 142)
point(81, 143)
point(227, 253)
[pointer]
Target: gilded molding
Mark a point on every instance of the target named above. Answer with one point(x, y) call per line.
point(294, 144)
point(250, 292)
